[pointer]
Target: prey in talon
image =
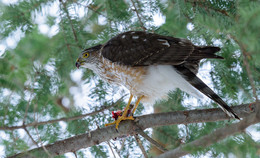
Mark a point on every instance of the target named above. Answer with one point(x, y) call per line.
point(119, 116)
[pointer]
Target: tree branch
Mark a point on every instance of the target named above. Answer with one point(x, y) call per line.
point(192, 116)
point(91, 7)
point(152, 141)
point(139, 143)
point(111, 149)
point(138, 16)
point(207, 8)
point(71, 24)
point(28, 133)
point(61, 119)
point(129, 128)
point(245, 62)
point(212, 138)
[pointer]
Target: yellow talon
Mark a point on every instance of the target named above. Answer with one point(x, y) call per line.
point(108, 124)
point(124, 117)
point(120, 118)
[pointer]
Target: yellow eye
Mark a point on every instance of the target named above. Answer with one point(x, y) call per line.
point(85, 55)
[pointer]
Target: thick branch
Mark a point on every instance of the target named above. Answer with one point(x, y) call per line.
point(212, 138)
point(128, 127)
point(192, 116)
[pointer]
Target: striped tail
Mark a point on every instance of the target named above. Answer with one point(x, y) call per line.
point(203, 88)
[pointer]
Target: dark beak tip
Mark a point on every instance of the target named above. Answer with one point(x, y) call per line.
point(77, 65)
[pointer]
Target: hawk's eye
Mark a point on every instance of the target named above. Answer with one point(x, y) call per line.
point(85, 55)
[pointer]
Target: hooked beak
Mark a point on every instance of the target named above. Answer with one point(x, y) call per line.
point(77, 63)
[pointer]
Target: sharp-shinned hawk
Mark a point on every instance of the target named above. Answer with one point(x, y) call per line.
point(151, 65)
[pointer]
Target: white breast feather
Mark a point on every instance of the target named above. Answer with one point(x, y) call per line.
point(163, 78)
point(155, 85)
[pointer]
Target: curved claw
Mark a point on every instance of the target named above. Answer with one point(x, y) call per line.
point(120, 118)
point(124, 115)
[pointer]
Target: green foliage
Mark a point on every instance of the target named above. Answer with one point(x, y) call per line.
point(243, 145)
point(99, 151)
point(36, 75)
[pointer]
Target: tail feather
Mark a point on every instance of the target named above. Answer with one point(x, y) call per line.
point(209, 52)
point(209, 49)
point(205, 52)
point(203, 88)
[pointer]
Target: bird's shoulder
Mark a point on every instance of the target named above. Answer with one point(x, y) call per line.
point(139, 48)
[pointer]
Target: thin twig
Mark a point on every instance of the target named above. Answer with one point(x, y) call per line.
point(116, 149)
point(71, 24)
point(34, 142)
point(151, 140)
point(94, 10)
point(122, 145)
point(249, 73)
point(64, 36)
point(111, 149)
point(140, 145)
point(26, 109)
point(6, 107)
point(76, 156)
point(42, 145)
point(29, 101)
point(138, 16)
point(61, 119)
point(207, 8)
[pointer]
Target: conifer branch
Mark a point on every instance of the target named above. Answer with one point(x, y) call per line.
point(71, 24)
point(91, 7)
point(28, 133)
point(111, 149)
point(207, 8)
point(213, 137)
point(139, 143)
point(152, 141)
point(146, 121)
point(138, 16)
point(61, 119)
point(64, 36)
point(245, 61)
point(249, 73)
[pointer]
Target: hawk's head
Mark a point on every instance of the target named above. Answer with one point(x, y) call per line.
point(88, 57)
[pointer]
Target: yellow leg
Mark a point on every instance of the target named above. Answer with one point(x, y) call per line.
point(123, 117)
point(108, 124)
point(128, 105)
point(136, 104)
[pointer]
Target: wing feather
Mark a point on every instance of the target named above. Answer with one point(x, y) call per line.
point(140, 48)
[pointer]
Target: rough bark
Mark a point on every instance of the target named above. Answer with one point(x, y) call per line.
point(211, 138)
point(129, 127)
